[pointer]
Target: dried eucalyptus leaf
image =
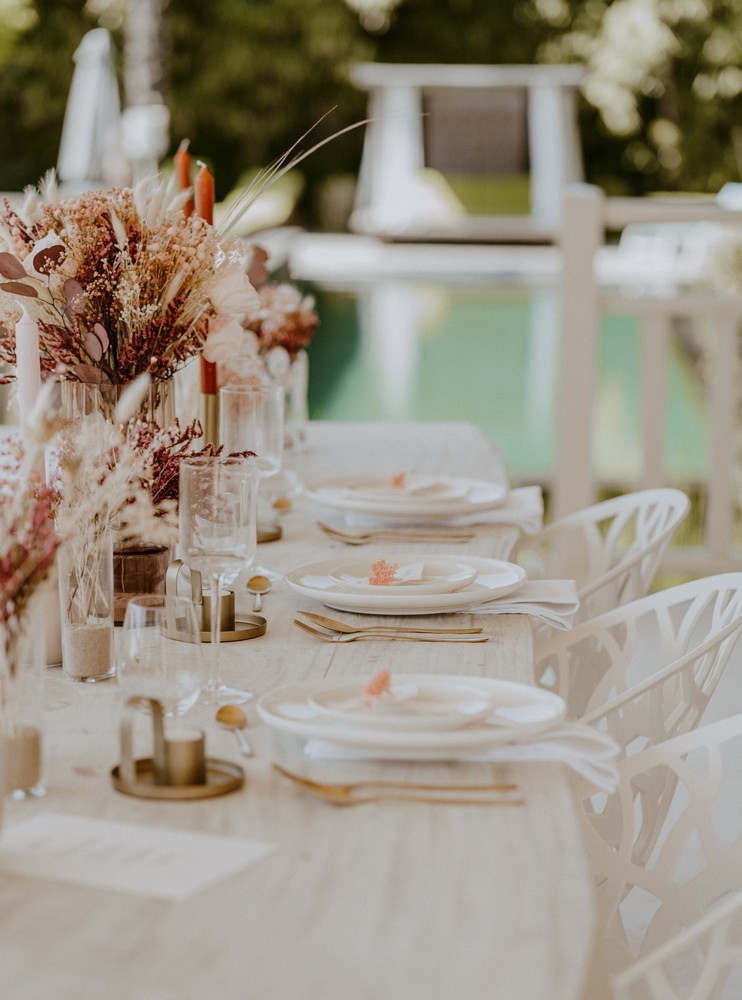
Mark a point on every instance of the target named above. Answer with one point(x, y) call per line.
point(11, 267)
point(48, 259)
point(100, 331)
point(18, 288)
point(75, 295)
point(93, 346)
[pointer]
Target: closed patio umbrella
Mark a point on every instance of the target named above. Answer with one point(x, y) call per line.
point(91, 119)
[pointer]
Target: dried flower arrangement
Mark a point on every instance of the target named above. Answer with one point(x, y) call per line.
point(119, 283)
point(99, 483)
point(104, 475)
point(164, 449)
point(28, 548)
point(284, 318)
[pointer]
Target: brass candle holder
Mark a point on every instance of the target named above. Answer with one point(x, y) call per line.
point(232, 627)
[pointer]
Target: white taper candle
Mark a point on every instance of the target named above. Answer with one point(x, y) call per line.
point(28, 365)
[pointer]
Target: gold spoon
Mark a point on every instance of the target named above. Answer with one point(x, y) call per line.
point(232, 717)
point(258, 585)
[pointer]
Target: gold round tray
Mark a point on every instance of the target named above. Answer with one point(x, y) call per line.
point(245, 627)
point(221, 777)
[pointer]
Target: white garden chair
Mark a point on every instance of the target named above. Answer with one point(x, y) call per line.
point(612, 549)
point(651, 668)
point(674, 643)
point(644, 901)
point(703, 958)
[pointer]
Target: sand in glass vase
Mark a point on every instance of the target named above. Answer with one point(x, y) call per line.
point(86, 605)
point(21, 712)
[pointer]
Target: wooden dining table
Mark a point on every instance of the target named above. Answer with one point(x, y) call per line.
point(387, 900)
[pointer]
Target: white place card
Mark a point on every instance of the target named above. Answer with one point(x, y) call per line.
point(160, 862)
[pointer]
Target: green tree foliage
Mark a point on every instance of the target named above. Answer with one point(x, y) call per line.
point(245, 78)
point(35, 75)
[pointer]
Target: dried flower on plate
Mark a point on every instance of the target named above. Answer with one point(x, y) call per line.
point(380, 684)
point(382, 573)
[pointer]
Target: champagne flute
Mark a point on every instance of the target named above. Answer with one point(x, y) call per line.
point(251, 418)
point(218, 538)
point(152, 661)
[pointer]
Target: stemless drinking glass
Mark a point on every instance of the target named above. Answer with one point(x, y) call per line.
point(251, 418)
point(154, 661)
point(218, 538)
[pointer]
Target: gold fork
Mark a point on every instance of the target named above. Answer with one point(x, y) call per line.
point(354, 794)
point(389, 634)
point(337, 626)
point(399, 535)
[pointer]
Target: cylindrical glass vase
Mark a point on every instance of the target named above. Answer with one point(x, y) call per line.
point(22, 712)
point(297, 402)
point(80, 399)
point(86, 607)
point(293, 374)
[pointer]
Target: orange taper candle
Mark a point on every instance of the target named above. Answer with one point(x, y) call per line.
point(182, 163)
point(205, 194)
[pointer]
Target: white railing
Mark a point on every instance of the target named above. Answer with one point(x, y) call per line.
point(587, 216)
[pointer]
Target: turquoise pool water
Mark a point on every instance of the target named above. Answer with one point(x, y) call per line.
point(486, 354)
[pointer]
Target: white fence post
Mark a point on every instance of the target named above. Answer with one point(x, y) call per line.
point(577, 358)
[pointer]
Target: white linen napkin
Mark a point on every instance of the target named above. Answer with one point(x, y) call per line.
point(523, 508)
point(551, 601)
point(586, 751)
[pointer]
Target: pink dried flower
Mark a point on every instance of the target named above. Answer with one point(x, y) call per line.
point(380, 684)
point(27, 549)
point(382, 573)
point(285, 318)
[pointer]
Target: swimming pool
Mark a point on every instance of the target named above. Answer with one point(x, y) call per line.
point(485, 352)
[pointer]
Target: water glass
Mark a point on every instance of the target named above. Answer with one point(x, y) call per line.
point(153, 661)
point(251, 418)
point(217, 516)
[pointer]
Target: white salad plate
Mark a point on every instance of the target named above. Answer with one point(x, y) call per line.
point(495, 578)
point(441, 496)
point(412, 576)
point(518, 711)
point(433, 703)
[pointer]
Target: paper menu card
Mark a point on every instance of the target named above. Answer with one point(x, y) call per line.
point(160, 862)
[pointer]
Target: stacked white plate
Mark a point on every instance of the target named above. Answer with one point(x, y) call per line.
point(416, 498)
point(421, 585)
point(422, 716)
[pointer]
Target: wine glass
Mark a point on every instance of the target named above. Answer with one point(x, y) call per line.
point(153, 661)
point(251, 418)
point(218, 538)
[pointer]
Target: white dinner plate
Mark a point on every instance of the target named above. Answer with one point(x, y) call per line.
point(495, 578)
point(444, 496)
point(520, 711)
point(435, 703)
point(411, 576)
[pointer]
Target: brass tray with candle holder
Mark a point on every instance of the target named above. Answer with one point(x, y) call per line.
point(233, 627)
point(178, 768)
